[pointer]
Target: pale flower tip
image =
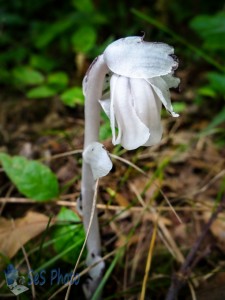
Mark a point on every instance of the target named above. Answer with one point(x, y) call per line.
point(175, 115)
point(97, 157)
point(172, 112)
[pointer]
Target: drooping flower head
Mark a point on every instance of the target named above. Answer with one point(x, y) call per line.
point(140, 76)
point(131, 80)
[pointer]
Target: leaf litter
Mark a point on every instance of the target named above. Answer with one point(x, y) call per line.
point(187, 167)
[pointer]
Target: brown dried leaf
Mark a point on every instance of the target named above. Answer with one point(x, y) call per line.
point(15, 234)
point(217, 228)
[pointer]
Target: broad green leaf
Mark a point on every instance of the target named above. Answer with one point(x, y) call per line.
point(211, 29)
point(217, 82)
point(71, 234)
point(217, 120)
point(13, 18)
point(27, 76)
point(4, 76)
point(42, 91)
point(207, 91)
point(9, 56)
point(59, 80)
point(32, 178)
point(48, 33)
point(105, 128)
point(72, 96)
point(42, 62)
point(179, 106)
point(84, 39)
point(83, 6)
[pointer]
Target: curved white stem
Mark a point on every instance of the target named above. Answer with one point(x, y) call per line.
point(93, 83)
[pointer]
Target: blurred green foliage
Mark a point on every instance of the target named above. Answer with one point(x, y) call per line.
point(41, 40)
point(211, 29)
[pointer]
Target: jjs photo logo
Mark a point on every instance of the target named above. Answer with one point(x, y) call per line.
point(54, 276)
point(17, 286)
point(14, 281)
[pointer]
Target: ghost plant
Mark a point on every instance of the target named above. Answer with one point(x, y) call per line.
point(131, 81)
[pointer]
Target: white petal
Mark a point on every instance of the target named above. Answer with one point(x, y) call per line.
point(171, 81)
point(148, 108)
point(96, 155)
point(105, 104)
point(132, 57)
point(162, 90)
point(133, 133)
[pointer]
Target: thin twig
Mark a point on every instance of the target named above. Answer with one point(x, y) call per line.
point(102, 206)
point(129, 163)
point(6, 198)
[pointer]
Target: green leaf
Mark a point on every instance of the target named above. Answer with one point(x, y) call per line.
point(10, 57)
point(83, 6)
point(27, 76)
point(218, 119)
point(72, 96)
point(84, 39)
point(59, 80)
point(207, 91)
point(211, 29)
point(42, 62)
point(32, 179)
point(217, 82)
point(48, 33)
point(4, 76)
point(71, 234)
point(105, 128)
point(179, 106)
point(42, 91)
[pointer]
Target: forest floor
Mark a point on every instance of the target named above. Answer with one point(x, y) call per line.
point(158, 214)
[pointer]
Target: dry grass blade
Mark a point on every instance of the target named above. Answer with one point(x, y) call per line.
point(201, 208)
point(6, 198)
point(127, 162)
point(148, 263)
point(168, 202)
point(166, 234)
point(193, 295)
point(66, 154)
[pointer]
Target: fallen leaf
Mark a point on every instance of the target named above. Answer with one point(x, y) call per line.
point(217, 228)
point(15, 234)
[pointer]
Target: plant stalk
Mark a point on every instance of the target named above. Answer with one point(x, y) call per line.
point(94, 81)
